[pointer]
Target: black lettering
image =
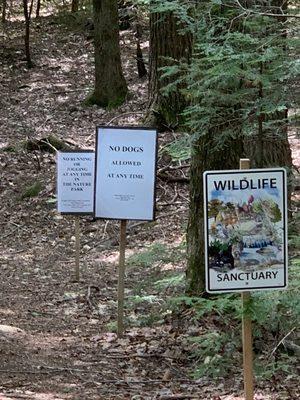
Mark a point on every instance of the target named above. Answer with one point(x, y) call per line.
point(252, 184)
point(234, 187)
point(220, 185)
point(233, 277)
point(261, 275)
point(244, 184)
point(265, 183)
point(114, 148)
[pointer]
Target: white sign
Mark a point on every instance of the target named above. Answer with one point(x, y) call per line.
point(75, 182)
point(245, 230)
point(125, 173)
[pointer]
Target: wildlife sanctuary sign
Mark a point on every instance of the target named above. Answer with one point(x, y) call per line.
point(125, 169)
point(245, 230)
point(75, 182)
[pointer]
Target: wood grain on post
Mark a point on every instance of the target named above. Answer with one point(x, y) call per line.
point(120, 322)
point(77, 249)
point(247, 329)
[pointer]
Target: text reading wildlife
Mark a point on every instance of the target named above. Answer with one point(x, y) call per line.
point(245, 183)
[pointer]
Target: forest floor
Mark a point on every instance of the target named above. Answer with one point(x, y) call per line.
point(57, 337)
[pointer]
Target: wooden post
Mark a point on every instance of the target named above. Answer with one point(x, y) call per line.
point(120, 322)
point(247, 329)
point(77, 248)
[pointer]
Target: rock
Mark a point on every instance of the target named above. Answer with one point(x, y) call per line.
point(11, 332)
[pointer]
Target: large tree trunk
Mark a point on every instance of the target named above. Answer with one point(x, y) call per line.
point(110, 85)
point(204, 158)
point(168, 46)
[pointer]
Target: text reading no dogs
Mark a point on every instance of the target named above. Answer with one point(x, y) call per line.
point(129, 163)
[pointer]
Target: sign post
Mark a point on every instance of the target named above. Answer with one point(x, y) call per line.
point(125, 169)
point(247, 329)
point(77, 249)
point(75, 190)
point(121, 278)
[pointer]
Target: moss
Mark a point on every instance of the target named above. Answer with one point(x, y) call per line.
point(10, 149)
point(50, 143)
point(93, 99)
point(32, 190)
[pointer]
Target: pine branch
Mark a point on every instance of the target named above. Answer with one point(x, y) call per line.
point(263, 14)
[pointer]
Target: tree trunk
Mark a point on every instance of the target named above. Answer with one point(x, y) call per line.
point(4, 3)
point(204, 158)
point(110, 85)
point(38, 8)
point(142, 71)
point(168, 46)
point(27, 15)
point(74, 6)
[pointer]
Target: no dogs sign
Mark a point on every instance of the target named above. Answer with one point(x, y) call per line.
point(245, 229)
point(125, 169)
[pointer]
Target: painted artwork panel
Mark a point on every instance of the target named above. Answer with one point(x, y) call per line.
point(246, 230)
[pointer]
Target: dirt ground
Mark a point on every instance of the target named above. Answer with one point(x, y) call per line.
point(57, 337)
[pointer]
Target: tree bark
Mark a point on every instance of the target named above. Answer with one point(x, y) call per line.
point(168, 46)
point(38, 8)
point(74, 6)
point(27, 15)
point(110, 85)
point(4, 3)
point(204, 158)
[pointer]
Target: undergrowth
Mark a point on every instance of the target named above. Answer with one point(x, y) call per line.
point(216, 350)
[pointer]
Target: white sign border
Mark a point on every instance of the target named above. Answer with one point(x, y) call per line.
point(79, 151)
point(127, 127)
point(285, 227)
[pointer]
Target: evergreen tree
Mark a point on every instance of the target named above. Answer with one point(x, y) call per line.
point(170, 46)
point(238, 87)
point(110, 85)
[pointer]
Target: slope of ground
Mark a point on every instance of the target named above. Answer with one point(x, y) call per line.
point(57, 337)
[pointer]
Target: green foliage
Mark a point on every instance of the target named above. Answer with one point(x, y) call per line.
point(178, 150)
point(216, 352)
point(216, 246)
point(112, 326)
point(170, 281)
point(210, 349)
point(156, 252)
point(32, 190)
point(240, 72)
